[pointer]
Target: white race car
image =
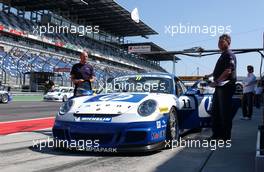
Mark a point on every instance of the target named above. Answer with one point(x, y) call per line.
point(59, 94)
point(203, 86)
point(138, 113)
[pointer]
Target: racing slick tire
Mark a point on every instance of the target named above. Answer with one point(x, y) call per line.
point(239, 89)
point(173, 131)
point(4, 98)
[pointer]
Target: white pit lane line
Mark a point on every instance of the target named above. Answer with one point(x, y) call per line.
point(23, 120)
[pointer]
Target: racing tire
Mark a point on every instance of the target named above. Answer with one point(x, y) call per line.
point(64, 98)
point(4, 98)
point(173, 131)
point(239, 89)
point(58, 147)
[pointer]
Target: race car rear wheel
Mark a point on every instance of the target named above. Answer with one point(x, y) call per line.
point(4, 98)
point(172, 132)
point(239, 89)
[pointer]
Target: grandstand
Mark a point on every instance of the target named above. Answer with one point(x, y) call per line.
point(23, 51)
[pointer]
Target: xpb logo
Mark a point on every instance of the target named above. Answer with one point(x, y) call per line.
point(116, 97)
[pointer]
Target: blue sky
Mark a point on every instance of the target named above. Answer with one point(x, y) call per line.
point(245, 18)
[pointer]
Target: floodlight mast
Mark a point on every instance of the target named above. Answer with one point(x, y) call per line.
point(174, 65)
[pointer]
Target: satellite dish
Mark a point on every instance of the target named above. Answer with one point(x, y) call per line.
point(135, 15)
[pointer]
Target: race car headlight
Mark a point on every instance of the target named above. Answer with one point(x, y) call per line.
point(147, 107)
point(66, 107)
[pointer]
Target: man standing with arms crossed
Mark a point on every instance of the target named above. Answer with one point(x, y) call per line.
point(224, 82)
point(248, 93)
point(82, 75)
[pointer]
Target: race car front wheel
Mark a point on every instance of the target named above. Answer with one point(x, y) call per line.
point(172, 132)
point(4, 98)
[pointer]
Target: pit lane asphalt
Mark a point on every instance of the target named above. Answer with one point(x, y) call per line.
point(17, 153)
point(28, 110)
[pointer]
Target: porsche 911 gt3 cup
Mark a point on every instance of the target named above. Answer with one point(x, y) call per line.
point(137, 113)
point(59, 94)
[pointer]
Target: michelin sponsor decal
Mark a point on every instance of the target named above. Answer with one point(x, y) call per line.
point(93, 119)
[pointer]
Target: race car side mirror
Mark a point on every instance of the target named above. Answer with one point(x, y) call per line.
point(203, 84)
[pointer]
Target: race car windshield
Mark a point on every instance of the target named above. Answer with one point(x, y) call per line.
point(141, 84)
point(55, 90)
point(64, 90)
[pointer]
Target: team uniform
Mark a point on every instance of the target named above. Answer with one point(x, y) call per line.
point(222, 114)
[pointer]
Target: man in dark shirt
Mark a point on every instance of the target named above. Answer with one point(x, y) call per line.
point(224, 82)
point(49, 85)
point(82, 74)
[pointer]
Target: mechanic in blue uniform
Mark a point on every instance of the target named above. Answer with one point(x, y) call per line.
point(82, 74)
point(224, 82)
